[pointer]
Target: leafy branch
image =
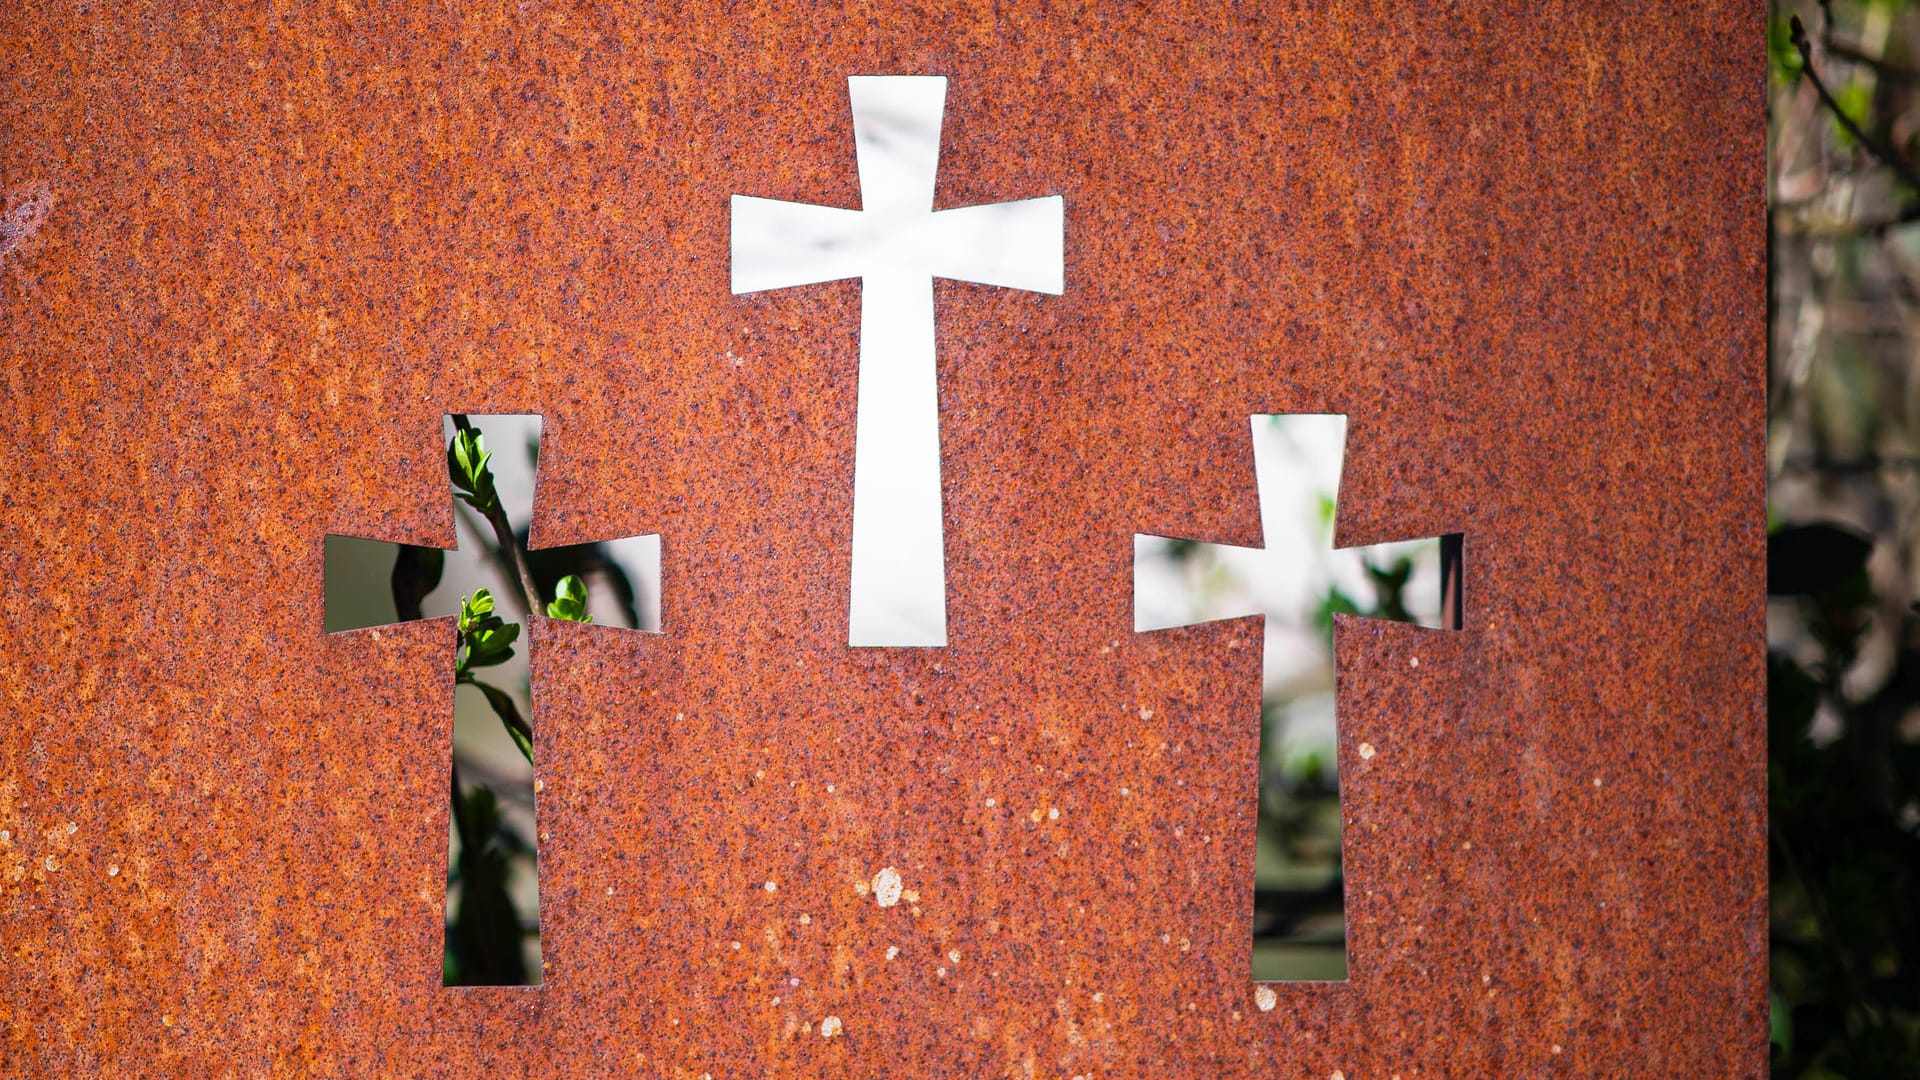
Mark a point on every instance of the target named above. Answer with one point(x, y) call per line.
point(484, 934)
point(487, 640)
point(467, 458)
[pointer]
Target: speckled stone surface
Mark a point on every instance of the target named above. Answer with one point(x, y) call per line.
point(251, 258)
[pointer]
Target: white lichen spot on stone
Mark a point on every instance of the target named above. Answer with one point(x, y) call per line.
point(830, 1028)
point(886, 887)
point(53, 863)
point(1053, 813)
point(736, 945)
point(113, 871)
point(609, 890)
point(1264, 997)
point(1336, 1075)
point(770, 886)
point(953, 955)
point(1146, 713)
point(893, 951)
point(72, 828)
point(1413, 661)
point(941, 972)
point(1099, 997)
point(539, 785)
point(1366, 751)
point(806, 919)
point(991, 804)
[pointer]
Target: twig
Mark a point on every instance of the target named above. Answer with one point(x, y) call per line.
point(495, 556)
point(1885, 153)
point(509, 546)
point(1887, 69)
point(1832, 466)
point(1907, 216)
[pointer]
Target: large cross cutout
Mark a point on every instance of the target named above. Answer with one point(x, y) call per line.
point(1295, 580)
point(488, 936)
point(896, 244)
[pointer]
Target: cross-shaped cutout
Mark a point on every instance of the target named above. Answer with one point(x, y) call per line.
point(896, 244)
point(1297, 581)
point(493, 924)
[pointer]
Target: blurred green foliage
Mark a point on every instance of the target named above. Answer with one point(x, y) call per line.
point(1843, 462)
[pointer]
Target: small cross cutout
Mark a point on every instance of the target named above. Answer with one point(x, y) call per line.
point(1296, 580)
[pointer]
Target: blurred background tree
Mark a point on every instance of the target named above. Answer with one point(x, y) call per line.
point(1844, 548)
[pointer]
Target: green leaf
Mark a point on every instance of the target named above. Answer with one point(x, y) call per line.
point(416, 573)
point(1783, 57)
point(467, 459)
point(521, 740)
point(509, 713)
point(475, 609)
point(483, 812)
point(570, 601)
point(491, 645)
point(485, 639)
